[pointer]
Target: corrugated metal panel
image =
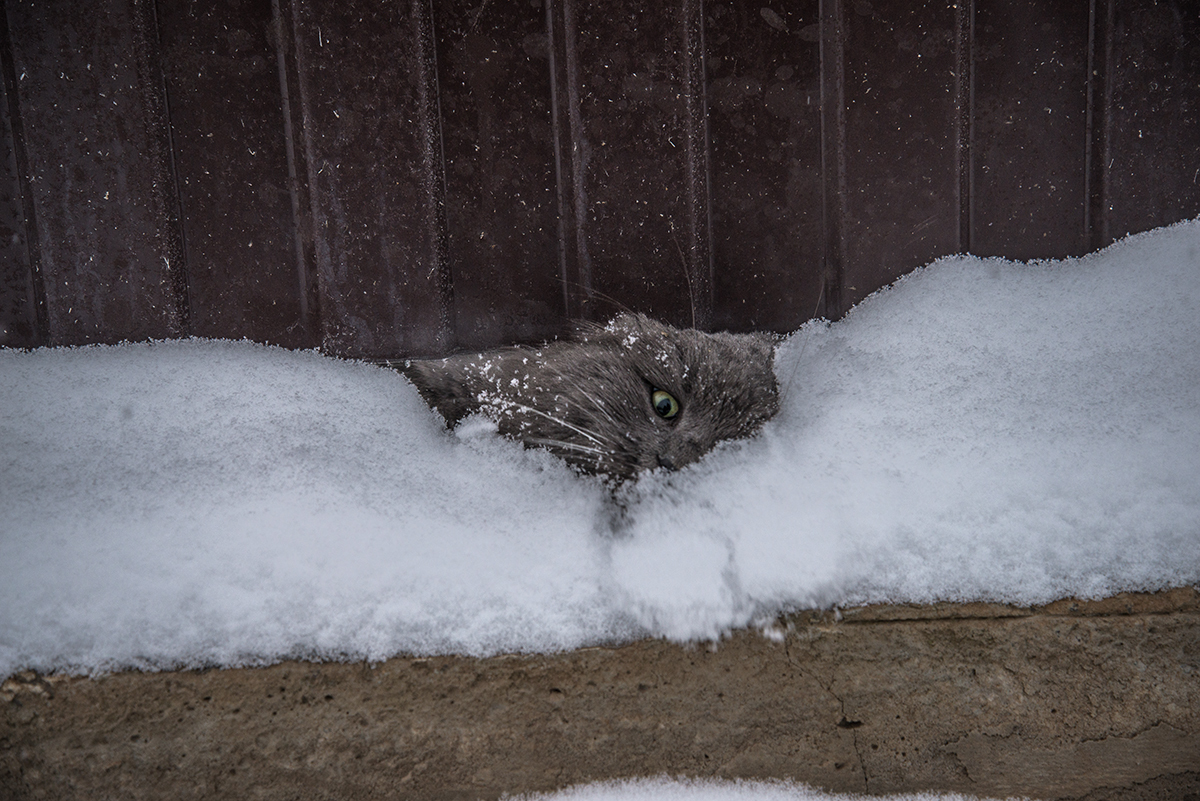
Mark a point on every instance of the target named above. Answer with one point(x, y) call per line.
point(382, 179)
point(501, 206)
point(371, 137)
point(94, 134)
point(764, 110)
point(1030, 134)
point(22, 297)
point(247, 268)
point(631, 128)
point(1152, 154)
point(901, 200)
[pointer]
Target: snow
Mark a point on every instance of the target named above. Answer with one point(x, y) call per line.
point(983, 430)
point(666, 789)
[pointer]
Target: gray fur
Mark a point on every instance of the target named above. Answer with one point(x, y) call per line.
point(588, 398)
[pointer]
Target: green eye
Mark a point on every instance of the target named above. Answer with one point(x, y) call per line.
point(665, 405)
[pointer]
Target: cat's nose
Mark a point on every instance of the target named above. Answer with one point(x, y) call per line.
point(665, 460)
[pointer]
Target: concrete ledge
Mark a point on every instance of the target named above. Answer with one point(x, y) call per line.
point(1080, 700)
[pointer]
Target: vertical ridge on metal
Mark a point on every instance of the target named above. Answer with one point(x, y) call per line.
point(433, 167)
point(313, 231)
point(93, 119)
point(23, 321)
point(164, 186)
point(833, 156)
point(309, 300)
point(570, 159)
point(699, 261)
point(1099, 101)
point(372, 150)
point(964, 102)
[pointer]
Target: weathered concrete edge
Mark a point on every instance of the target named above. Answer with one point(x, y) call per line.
point(1164, 602)
point(1078, 699)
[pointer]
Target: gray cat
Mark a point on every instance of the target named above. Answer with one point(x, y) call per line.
point(617, 399)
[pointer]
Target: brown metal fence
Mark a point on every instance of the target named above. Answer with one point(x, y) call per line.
point(387, 178)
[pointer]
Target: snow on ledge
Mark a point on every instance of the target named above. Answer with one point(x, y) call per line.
point(982, 430)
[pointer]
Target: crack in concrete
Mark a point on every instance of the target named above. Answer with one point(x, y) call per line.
point(1017, 677)
point(862, 766)
point(828, 687)
point(1134, 735)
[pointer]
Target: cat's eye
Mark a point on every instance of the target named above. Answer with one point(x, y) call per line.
point(665, 405)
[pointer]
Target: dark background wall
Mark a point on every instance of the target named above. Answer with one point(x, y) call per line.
point(389, 178)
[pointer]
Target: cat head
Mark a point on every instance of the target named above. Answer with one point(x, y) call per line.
point(617, 399)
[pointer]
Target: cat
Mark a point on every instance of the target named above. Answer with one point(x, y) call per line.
point(613, 400)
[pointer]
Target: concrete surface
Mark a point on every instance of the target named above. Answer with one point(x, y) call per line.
point(1077, 700)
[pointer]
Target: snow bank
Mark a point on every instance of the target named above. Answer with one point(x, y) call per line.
point(664, 789)
point(982, 430)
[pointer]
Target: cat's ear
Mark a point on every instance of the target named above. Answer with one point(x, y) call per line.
point(443, 384)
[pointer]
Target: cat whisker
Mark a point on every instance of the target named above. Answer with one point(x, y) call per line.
point(687, 274)
point(585, 458)
point(559, 421)
point(596, 402)
point(564, 445)
point(593, 292)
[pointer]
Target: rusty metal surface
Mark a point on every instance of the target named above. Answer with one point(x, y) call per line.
point(382, 179)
